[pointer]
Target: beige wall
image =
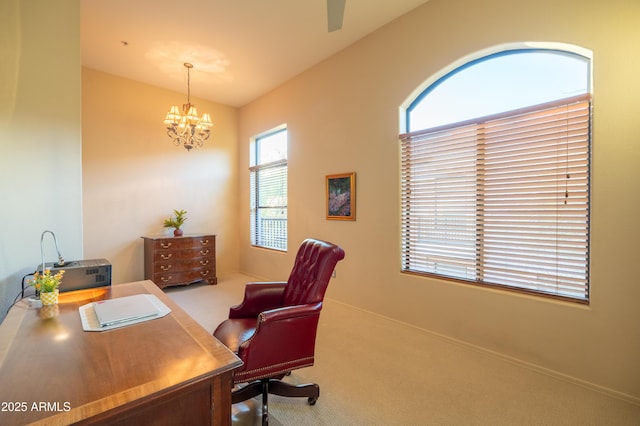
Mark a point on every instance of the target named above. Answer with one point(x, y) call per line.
point(133, 176)
point(40, 166)
point(342, 116)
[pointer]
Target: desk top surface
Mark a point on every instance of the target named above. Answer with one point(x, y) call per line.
point(51, 368)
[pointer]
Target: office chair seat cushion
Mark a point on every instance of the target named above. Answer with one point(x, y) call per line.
point(233, 332)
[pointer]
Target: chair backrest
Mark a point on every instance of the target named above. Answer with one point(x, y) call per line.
point(311, 272)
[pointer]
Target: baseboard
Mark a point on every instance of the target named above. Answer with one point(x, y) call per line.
point(512, 360)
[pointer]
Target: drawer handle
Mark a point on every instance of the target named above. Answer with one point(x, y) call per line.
point(204, 252)
point(204, 242)
point(204, 262)
point(204, 273)
point(165, 267)
point(165, 245)
point(165, 279)
point(166, 256)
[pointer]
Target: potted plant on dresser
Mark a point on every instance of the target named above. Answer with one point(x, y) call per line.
point(176, 222)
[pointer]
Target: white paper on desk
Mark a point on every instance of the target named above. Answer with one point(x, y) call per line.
point(90, 320)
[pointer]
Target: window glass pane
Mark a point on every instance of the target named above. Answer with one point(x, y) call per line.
point(272, 147)
point(499, 83)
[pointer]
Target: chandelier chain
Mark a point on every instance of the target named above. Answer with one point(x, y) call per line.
point(189, 66)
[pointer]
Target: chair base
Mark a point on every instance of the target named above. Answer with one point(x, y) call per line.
point(275, 387)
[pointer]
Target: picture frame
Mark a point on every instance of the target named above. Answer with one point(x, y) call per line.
point(341, 196)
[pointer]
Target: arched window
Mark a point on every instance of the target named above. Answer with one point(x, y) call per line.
point(495, 173)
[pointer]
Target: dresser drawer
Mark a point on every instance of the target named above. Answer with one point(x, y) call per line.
point(170, 278)
point(181, 243)
point(183, 264)
point(179, 255)
point(180, 260)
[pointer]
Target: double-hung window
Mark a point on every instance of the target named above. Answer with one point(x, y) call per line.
point(495, 180)
point(268, 188)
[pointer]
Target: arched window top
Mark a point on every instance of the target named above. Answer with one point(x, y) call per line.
point(499, 82)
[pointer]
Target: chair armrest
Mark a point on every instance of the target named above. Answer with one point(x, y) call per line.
point(288, 313)
point(259, 297)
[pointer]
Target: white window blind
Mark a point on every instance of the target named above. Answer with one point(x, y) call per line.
point(502, 200)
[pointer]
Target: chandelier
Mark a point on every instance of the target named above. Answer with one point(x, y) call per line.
point(188, 129)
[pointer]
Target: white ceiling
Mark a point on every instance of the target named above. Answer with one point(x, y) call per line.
point(240, 49)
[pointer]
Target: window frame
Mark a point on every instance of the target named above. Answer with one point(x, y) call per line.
point(417, 97)
point(258, 235)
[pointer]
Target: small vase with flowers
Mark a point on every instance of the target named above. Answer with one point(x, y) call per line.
point(47, 284)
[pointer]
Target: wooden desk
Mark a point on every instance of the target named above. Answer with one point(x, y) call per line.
point(167, 371)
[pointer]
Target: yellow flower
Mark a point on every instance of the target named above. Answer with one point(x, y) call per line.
point(45, 282)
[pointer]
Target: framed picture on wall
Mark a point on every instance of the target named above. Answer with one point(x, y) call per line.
point(341, 196)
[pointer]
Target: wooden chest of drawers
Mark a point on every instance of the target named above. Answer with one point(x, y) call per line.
point(182, 260)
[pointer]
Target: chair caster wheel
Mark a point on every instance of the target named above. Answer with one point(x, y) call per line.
point(312, 401)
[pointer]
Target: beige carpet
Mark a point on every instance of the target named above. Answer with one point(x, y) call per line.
point(375, 371)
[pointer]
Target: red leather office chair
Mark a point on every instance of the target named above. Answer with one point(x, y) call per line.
point(273, 330)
